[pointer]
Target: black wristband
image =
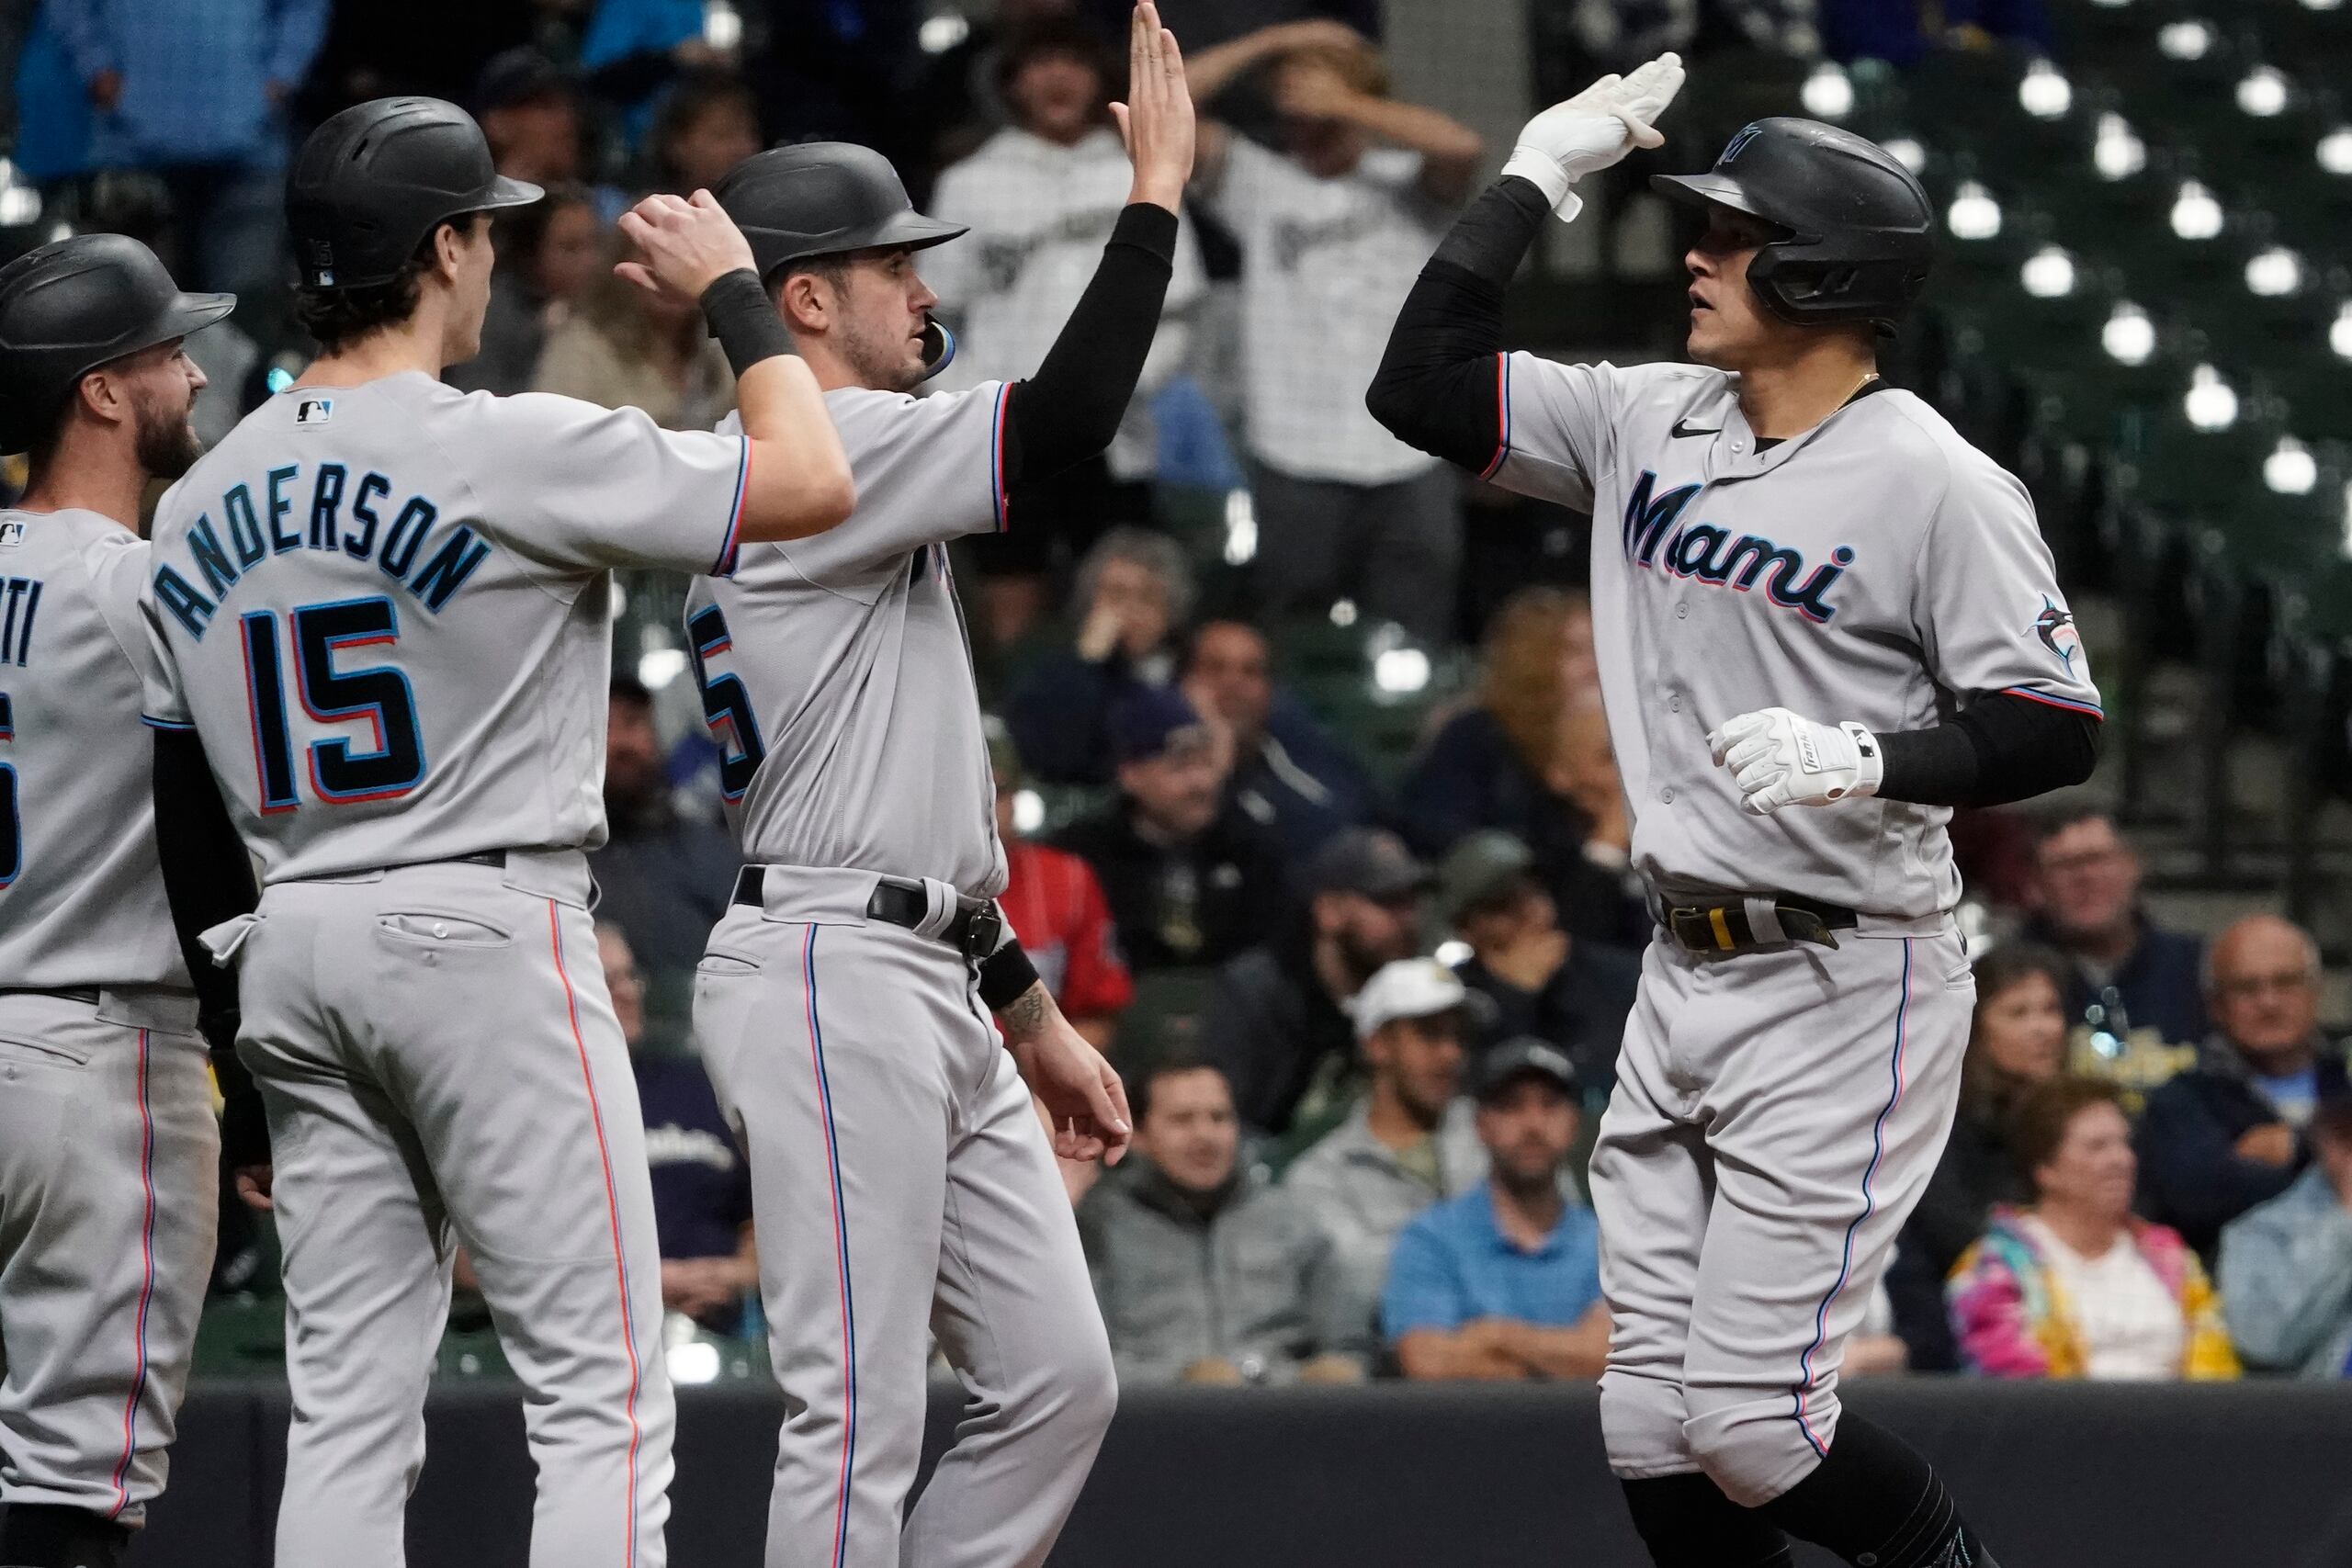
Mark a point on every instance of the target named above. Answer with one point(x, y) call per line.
point(1006, 975)
point(744, 321)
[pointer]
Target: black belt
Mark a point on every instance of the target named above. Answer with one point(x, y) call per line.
point(1723, 925)
point(975, 929)
point(69, 993)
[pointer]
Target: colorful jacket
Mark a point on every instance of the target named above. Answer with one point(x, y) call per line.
point(2013, 1321)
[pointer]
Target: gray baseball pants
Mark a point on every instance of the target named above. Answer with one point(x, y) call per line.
point(441, 1065)
point(1775, 1117)
point(109, 1204)
point(900, 1182)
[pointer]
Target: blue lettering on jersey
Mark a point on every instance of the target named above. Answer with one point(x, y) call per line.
point(1704, 553)
point(19, 602)
point(412, 532)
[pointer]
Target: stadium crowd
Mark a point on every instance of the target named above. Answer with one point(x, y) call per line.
point(1368, 1015)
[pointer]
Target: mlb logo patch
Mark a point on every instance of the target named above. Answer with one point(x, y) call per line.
point(12, 534)
point(313, 411)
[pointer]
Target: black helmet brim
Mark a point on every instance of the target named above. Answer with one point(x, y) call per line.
point(1709, 190)
point(504, 192)
point(907, 231)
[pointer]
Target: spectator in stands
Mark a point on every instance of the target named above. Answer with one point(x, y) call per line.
point(1902, 31)
point(665, 879)
point(2133, 995)
point(1133, 596)
point(2285, 1273)
point(193, 93)
point(1409, 1142)
point(628, 347)
point(1344, 509)
point(1278, 1020)
point(1504, 1281)
point(2016, 1041)
point(1542, 981)
point(1289, 773)
point(1206, 1271)
point(530, 113)
point(2075, 1286)
point(2227, 1135)
point(1499, 764)
point(1612, 900)
point(1191, 881)
point(632, 50)
point(1057, 911)
point(707, 123)
point(702, 1188)
point(1040, 196)
point(550, 254)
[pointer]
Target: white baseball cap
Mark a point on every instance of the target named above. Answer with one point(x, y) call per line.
point(1410, 987)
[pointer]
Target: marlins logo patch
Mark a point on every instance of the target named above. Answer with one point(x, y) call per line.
point(2055, 627)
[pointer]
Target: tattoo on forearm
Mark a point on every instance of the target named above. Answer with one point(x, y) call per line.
point(1026, 1014)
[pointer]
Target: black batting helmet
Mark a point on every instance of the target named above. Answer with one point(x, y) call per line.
point(372, 182)
point(823, 199)
point(75, 305)
point(1856, 226)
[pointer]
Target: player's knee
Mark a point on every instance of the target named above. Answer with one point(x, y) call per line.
point(1751, 1443)
point(1085, 1393)
point(1641, 1425)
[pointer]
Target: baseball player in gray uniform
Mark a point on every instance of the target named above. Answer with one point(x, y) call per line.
point(900, 1178)
point(1823, 620)
point(385, 607)
point(108, 1148)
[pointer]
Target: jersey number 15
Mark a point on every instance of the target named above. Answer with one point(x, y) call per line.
point(379, 695)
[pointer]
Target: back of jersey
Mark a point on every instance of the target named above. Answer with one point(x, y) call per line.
point(387, 610)
point(81, 894)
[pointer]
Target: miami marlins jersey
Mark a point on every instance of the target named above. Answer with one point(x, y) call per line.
point(387, 609)
point(1877, 569)
point(81, 894)
point(835, 670)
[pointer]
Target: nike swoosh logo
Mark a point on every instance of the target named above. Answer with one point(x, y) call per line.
point(1682, 430)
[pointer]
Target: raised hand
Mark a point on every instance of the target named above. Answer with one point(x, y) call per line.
point(1156, 121)
point(687, 245)
point(1594, 129)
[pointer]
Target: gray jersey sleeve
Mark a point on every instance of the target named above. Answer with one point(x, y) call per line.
point(579, 486)
point(1985, 598)
point(928, 470)
point(1557, 427)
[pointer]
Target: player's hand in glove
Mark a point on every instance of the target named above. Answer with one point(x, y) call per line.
point(1594, 129)
point(1080, 1092)
point(1778, 758)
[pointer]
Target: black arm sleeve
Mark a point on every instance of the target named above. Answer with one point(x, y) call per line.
point(1999, 748)
point(207, 877)
point(1069, 410)
point(1436, 387)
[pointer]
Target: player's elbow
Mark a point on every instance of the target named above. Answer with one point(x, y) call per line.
point(821, 496)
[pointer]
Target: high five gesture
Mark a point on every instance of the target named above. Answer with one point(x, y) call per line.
point(1157, 119)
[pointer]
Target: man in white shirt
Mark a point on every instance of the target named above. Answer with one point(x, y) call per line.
point(1040, 196)
point(1333, 231)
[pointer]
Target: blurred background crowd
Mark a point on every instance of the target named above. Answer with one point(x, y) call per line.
point(1310, 808)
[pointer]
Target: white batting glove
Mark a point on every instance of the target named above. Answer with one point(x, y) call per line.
point(1594, 129)
point(1778, 758)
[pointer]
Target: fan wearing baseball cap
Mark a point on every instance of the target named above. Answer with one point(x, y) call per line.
point(1191, 879)
point(1409, 1142)
point(1504, 1281)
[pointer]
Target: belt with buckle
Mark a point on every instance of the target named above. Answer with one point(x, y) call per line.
point(1765, 919)
point(975, 929)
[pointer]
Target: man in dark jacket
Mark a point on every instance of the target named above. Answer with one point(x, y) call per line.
point(2228, 1133)
point(2132, 994)
point(1289, 774)
point(1206, 1272)
point(1543, 982)
point(1190, 880)
point(1278, 1023)
point(663, 877)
